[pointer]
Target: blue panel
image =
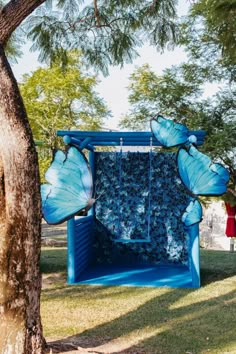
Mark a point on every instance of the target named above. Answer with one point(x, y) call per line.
point(83, 220)
point(82, 228)
point(83, 247)
point(194, 255)
point(169, 133)
point(148, 276)
point(70, 189)
point(80, 238)
point(199, 174)
point(71, 275)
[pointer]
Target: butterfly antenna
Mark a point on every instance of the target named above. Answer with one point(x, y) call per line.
point(95, 189)
point(100, 195)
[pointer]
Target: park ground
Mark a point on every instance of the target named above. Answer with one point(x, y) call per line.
point(116, 319)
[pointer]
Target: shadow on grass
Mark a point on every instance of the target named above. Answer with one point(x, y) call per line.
point(163, 325)
point(176, 322)
point(217, 265)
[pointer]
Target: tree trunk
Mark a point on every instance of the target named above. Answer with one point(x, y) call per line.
point(20, 224)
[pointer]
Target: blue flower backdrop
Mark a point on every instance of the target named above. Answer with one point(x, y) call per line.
point(141, 203)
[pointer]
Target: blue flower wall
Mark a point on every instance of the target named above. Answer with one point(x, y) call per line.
point(141, 203)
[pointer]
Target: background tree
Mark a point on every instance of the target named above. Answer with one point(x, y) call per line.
point(106, 33)
point(176, 94)
point(61, 100)
point(172, 93)
point(209, 34)
point(178, 91)
point(215, 21)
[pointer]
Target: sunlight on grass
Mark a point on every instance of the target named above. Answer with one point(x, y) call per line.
point(217, 265)
point(85, 307)
point(139, 335)
point(211, 292)
point(143, 320)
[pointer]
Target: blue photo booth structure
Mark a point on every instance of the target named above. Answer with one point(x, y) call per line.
point(133, 235)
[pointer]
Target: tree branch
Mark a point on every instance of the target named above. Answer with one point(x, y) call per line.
point(96, 13)
point(12, 14)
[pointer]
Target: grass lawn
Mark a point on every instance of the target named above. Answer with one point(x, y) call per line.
point(119, 319)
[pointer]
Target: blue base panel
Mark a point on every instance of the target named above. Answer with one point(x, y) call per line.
point(141, 276)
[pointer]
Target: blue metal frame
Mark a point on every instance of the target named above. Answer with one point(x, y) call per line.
point(90, 139)
point(80, 230)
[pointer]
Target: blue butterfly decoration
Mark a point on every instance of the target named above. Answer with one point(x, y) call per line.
point(193, 213)
point(70, 189)
point(169, 133)
point(199, 175)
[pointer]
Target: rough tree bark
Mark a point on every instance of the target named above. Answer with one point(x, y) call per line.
point(20, 211)
point(13, 13)
point(20, 224)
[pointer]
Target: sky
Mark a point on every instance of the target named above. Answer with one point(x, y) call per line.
point(113, 89)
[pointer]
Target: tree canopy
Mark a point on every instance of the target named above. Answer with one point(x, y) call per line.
point(57, 100)
point(178, 91)
point(107, 33)
point(218, 26)
point(61, 100)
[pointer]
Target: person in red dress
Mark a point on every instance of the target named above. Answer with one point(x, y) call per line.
point(231, 221)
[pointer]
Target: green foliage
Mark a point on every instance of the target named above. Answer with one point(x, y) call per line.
point(176, 93)
point(45, 159)
point(171, 93)
point(107, 33)
point(219, 24)
point(209, 42)
point(57, 100)
point(208, 34)
point(12, 48)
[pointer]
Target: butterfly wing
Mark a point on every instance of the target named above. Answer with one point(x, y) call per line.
point(169, 133)
point(199, 174)
point(193, 213)
point(70, 186)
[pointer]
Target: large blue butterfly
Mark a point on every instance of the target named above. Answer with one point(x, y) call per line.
point(70, 189)
point(193, 213)
point(199, 174)
point(169, 133)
